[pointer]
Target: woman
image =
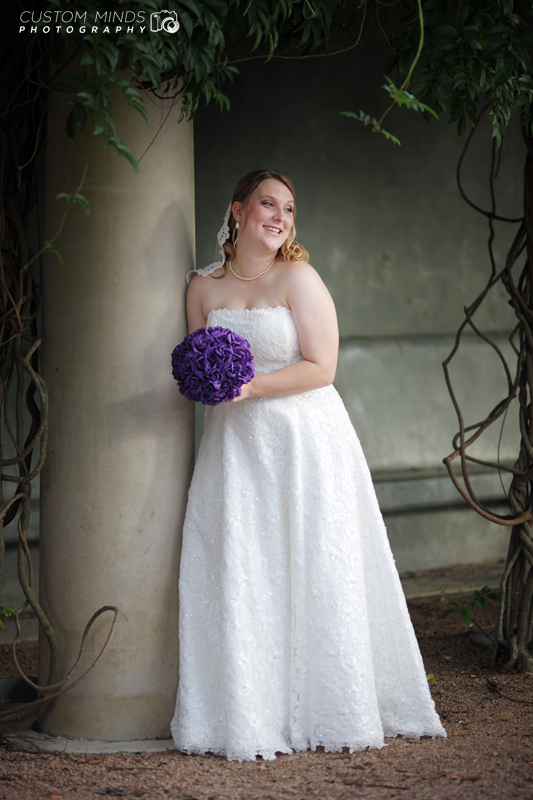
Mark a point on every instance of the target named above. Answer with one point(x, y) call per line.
point(294, 630)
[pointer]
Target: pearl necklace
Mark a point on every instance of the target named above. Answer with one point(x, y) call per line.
point(255, 276)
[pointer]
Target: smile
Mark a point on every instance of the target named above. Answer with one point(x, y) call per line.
point(270, 228)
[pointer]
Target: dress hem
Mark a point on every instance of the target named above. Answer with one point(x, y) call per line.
point(269, 753)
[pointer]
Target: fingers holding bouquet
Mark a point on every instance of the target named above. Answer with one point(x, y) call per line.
point(246, 391)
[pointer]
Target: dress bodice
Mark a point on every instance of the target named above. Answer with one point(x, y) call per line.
point(271, 332)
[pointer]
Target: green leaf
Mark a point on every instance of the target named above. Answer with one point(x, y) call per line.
point(187, 23)
point(504, 68)
point(366, 119)
point(111, 52)
point(75, 199)
point(500, 29)
point(104, 115)
point(139, 106)
point(446, 30)
point(49, 246)
point(87, 60)
point(191, 5)
point(462, 13)
point(466, 615)
point(122, 150)
point(484, 82)
point(522, 53)
point(494, 49)
point(150, 72)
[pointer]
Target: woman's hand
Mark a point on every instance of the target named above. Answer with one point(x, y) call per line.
point(246, 391)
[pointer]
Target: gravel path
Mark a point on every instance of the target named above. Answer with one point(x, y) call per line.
point(488, 753)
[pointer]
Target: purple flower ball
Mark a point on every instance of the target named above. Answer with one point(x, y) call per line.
point(212, 364)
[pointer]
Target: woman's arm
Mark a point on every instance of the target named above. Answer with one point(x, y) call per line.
point(316, 322)
point(195, 314)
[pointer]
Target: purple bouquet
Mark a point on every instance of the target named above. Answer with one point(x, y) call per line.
point(212, 364)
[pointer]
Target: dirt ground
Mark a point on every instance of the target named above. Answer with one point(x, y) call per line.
point(488, 753)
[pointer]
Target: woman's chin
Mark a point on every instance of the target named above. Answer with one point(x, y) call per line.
point(274, 242)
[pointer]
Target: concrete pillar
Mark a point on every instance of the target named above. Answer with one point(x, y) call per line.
point(120, 450)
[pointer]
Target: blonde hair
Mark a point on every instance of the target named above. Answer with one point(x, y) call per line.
point(290, 250)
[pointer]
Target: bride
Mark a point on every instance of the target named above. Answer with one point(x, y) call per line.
point(294, 631)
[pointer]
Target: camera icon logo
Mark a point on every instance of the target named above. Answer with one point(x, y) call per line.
point(164, 21)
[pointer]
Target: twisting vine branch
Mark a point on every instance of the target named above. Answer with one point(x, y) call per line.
point(515, 618)
point(23, 393)
point(53, 690)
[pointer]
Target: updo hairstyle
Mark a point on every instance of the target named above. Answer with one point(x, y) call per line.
point(290, 250)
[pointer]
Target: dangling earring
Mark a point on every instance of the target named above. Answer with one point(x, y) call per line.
point(234, 237)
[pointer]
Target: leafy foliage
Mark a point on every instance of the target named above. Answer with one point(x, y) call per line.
point(476, 53)
point(400, 96)
point(366, 119)
point(6, 611)
point(404, 98)
point(477, 598)
point(191, 63)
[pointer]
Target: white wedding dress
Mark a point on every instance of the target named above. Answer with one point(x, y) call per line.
point(294, 631)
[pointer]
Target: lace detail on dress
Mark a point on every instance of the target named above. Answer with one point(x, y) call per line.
point(222, 236)
point(270, 331)
point(294, 631)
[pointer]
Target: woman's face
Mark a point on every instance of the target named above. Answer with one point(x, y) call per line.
point(268, 214)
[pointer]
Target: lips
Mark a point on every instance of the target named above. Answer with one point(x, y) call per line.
point(272, 229)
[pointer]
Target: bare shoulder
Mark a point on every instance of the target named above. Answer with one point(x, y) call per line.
point(298, 274)
point(300, 278)
point(200, 285)
point(201, 282)
point(300, 269)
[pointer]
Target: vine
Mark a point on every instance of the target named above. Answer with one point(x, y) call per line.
point(477, 58)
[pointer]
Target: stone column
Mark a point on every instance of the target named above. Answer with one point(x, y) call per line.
point(120, 451)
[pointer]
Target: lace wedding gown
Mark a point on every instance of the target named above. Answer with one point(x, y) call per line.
point(294, 630)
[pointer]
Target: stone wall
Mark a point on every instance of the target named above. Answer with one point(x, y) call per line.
point(402, 254)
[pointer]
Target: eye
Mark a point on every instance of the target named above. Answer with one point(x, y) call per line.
point(289, 209)
point(267, 202)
